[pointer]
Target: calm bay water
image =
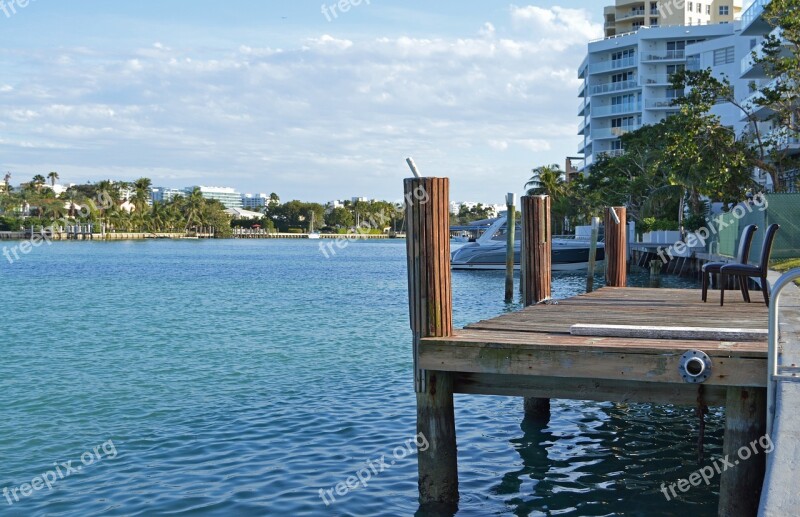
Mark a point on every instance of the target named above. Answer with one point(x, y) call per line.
point(241, 377)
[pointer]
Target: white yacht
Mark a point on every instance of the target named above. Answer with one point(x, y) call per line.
point(489, 250)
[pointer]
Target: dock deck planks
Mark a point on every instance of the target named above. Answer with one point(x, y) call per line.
point(536, 342)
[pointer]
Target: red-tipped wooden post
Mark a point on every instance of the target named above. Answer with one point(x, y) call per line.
point(430, 306)
point(616, 246)
point(535, 266)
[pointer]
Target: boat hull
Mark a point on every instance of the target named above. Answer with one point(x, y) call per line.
point(565, 257)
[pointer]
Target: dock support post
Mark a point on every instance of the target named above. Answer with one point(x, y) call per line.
point(511, 223)
point(535, 266)
point(745, 424)
point(616, 225)
point(430, 306)
point(592, 254)
point(536, 249)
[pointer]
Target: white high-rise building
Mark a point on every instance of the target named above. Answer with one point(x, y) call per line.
point(754, 29)
point(626, 82)
point(631, 15)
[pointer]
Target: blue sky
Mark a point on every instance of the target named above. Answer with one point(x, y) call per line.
point(276, 96)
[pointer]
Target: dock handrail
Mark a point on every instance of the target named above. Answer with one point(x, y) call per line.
point(775, 372)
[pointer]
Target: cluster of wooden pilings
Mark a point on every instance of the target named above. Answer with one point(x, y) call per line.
point(739, 387)
point(431, 310)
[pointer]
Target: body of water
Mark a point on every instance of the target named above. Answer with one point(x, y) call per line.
point(243, 377)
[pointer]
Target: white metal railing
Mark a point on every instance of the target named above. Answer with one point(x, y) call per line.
point(616, 109)
point(775, 371)
point(614, 132)
point(614, 87)
point(612, 153)
point(660, 104)
point(636, 13)
point(664, 55)
point(614, 64)
point(655, 79)
point(753, 12)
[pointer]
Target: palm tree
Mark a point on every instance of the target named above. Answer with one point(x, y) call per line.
point(6, 180)
point(53, 176)
point(141, 193)
point(547, 180)
point(38, 181)
point(193, 206)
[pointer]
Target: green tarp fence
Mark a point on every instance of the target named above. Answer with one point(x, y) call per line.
point(783, 209)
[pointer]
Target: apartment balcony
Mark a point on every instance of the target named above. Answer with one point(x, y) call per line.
point(784, 142)
point(662, 104)
point(585, 147)
point(583, 125)
point(752, 21)
point(750, 68)
point(751, 103)
point(614, 64)
point(582, 90)
point(613, 132)
point(584, 108)
point(656, 80)
point(630, 15)
point(601, 89)
point(616, 109)
point(611, 153)
point(583, 68)
point(664, 55)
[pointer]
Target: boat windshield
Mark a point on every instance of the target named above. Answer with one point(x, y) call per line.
point(500, 233)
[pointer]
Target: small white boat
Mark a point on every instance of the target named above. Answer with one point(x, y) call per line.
point(489, 251)
point(311, 233)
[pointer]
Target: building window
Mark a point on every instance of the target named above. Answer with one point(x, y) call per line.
point(690, 21)
point(653, 7)
point(698, 7)
point(708, 9)
point(723, 56)
point(724, 10)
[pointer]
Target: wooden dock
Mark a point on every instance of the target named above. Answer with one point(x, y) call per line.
point(543, 352)
point(532, 353)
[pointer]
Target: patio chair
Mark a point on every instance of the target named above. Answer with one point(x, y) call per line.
point(745, 271)
point(711, 268)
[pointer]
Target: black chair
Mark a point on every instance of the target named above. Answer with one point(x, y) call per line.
point(711, 268)
point(745, 271)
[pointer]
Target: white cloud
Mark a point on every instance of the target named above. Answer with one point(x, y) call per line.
point(343, 111)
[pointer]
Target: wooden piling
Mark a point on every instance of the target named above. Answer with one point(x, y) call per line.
point(616, 246)
point(592, 254)
point(511, 223)
point(430, 307)
point(536, 249)
point(536, 269)
point(745, 423)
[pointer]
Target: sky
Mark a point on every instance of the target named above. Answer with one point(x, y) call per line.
point(297, 97)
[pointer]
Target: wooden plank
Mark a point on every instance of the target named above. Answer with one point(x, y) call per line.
point(655, 366)
point(587, 389)
point(653, 332)
point(567, 342)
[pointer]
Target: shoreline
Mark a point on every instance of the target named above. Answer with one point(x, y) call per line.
point(130, 236)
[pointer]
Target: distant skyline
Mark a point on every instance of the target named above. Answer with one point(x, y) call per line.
point(297, 98)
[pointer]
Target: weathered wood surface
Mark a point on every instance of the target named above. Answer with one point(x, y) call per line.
point(536, 249)
point(536, 341)
point(652, 332)
point(601, 390)
point(431, 314)
point(616, 246)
